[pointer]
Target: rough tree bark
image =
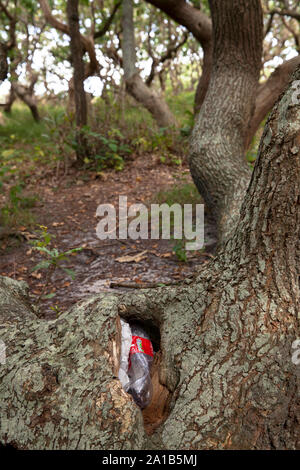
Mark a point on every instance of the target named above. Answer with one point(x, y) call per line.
point(217, 162)
point(78, 78)
point(134, 83)
point(225, 338)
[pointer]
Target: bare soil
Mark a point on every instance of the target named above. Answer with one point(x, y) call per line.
point(67, 206)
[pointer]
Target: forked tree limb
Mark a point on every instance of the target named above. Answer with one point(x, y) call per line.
point(268, 93)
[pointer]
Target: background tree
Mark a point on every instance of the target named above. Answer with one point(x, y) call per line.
point(78, 78)
point(134, 84)
point(8, 43)
point(86, 44)
point(23, 45)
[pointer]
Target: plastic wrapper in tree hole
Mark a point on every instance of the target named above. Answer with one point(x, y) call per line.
point(125, 348)
point(136, 360)
point(140, 360)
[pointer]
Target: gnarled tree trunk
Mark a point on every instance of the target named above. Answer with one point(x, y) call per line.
point(226, 338)
point(217, 162)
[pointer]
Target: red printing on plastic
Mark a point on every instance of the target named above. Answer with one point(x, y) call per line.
point(141, 345)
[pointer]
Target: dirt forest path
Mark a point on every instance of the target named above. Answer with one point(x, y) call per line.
point(68, 209)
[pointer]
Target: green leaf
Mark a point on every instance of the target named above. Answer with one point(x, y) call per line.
point(60, 257)
point(44, 250)
point(42, 265)
point(73, 250)
point(49, 296)
point(8, 153)
point(70, 272)
point(113, 147)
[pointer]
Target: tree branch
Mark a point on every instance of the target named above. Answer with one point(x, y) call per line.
point(6, 12)
point(12, 27)
point(268, 94)
point(87, 43)
point(293, 32)
point(291, 13)
point(51, 19)
point(269, 24)
point(108, 22)
point(197, 22)
point(170, 53)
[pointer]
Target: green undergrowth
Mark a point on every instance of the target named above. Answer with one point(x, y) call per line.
point(183, 192)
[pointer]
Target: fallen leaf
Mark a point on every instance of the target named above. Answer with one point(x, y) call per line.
point(132, 258)
point(36, 275)
point(28, 235)
point(57, 224)
point(23, 269)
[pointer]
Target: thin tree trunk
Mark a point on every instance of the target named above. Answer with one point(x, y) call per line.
point(135, 86)
point(78, 78)
point(217, 162)
point(71, 97)
point(3, 62)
